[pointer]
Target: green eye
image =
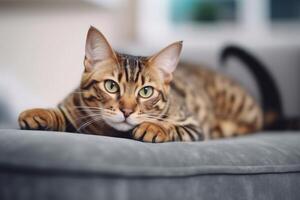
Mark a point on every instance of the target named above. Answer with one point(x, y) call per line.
point(146, 92)
point(111, 86)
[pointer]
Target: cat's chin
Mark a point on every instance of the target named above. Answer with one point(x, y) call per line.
point(120, 126)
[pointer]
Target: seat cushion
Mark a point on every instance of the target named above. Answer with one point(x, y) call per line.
point(39, 165)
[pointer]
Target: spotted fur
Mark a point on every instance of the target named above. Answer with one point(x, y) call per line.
point(188, 104)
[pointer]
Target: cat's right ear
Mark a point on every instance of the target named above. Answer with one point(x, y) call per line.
point(97, 49)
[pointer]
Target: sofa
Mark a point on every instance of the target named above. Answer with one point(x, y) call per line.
point(58, 166)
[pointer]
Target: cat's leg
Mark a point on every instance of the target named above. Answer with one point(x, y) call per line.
point(42, 119)
point(150, 132)
point(166, 132)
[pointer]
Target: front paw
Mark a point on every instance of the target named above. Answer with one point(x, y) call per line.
point(36, 119)
point(149, 132)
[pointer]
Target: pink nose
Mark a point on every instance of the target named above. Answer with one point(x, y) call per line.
point(126, 112)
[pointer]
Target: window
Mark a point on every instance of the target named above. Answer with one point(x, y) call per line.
point(287, 10)
point(203, 11)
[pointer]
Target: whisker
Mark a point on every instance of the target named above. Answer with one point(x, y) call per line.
point(77, 92)
point(155, 118)
point(93, 110)
point(88, 107)
point(151, 115)
point(87, 116)
point(88, 123)
point(97, 115)
point(156, 114)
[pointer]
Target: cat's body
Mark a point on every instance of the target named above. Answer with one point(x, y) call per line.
point(210, 101)
point(145, 98)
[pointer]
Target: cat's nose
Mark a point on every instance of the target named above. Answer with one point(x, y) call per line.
point(126, 112)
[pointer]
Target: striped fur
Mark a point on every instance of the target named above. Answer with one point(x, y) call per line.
point(189, 104)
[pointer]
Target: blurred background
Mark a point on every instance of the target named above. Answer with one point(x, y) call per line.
point(42, 41)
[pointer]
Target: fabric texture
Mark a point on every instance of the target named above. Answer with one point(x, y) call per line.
point(52, 165)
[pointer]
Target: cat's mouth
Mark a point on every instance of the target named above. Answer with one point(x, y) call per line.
point(121, 126)
point(121, 123)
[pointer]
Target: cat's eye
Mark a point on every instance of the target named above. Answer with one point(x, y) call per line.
point(111, 86)
point(146, 92)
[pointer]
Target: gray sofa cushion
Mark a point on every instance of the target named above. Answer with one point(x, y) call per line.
point(52, 165)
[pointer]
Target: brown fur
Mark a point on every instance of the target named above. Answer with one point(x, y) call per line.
point(188, 104)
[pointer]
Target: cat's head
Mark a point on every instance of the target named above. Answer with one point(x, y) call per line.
point(128, 89)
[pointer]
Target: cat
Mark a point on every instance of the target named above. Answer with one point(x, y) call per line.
point(146, 99)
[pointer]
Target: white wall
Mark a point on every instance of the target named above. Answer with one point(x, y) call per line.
point(42, 48)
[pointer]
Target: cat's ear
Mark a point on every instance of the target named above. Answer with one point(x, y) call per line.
point(97, 49)
point(167, 59)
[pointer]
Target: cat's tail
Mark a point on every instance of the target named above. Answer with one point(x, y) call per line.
point(271, 99)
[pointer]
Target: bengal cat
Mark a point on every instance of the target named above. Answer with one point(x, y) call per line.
point(146, 99)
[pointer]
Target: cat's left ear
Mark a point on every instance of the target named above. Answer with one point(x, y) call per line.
point(167, 59)
point(97, 49)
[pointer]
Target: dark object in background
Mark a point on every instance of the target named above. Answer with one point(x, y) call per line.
point(5, 116)
point(284, 10)
point(272, 105)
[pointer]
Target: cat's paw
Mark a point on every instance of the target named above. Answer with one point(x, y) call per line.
point(149, 132)
point(36, 119)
